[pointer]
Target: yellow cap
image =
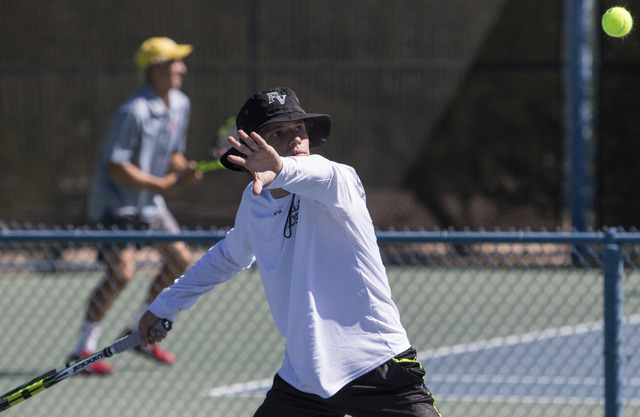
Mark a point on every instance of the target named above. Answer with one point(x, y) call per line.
point(155, 50)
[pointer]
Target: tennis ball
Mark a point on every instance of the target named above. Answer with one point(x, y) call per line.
point(617, 22)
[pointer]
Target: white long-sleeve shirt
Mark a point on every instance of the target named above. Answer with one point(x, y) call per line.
point(321, 269)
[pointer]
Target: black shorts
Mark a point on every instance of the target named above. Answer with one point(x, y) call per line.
point(395, 388)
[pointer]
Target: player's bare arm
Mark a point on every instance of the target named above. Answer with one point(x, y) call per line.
point(132, 176)
point(187, 170)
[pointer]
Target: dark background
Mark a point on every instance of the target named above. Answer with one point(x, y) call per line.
point(453, 113)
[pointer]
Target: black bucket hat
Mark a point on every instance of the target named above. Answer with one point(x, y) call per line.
point(277, 105)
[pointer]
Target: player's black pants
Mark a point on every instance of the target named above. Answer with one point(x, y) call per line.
point(396, 388)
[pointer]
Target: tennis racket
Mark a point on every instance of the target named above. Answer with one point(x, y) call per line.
point(208, 166)
point(219, 146)
point(46, 380)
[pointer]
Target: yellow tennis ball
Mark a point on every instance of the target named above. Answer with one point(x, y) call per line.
point(617, 22)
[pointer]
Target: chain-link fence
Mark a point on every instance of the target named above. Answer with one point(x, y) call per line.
point(410, 85)
point(506, 324)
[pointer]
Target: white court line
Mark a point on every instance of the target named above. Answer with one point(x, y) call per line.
point(528, 380)
point(525, 399)
point(259, 387)
point(520, 338)
point(242, 389)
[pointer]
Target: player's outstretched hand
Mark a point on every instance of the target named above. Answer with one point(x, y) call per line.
point(261, 160)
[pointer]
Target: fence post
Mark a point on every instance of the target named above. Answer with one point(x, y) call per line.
point(613, 270)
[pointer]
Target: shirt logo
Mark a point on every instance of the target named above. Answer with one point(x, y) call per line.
point(292, 217)
point(276, 96)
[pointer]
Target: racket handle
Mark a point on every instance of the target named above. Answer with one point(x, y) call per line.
point(133, 340)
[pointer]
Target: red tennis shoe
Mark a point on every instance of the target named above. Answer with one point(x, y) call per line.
point(99, 368)
point(154, 353)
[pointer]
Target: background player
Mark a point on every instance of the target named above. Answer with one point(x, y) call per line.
point(141, 160)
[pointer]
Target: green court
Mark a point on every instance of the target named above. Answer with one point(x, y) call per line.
point(228, 345)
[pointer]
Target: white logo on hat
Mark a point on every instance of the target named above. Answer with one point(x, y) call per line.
point(275, 95)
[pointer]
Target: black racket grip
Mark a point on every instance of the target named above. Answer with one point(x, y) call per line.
point(134, 340)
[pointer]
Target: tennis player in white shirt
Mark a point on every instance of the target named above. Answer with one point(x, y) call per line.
point(305, 222)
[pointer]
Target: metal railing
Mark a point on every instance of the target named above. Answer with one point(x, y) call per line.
point(516, 296)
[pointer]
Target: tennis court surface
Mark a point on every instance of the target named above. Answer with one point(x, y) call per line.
point(497, 370)
point(502, 340)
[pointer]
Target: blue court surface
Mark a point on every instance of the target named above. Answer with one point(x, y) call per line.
point(557, 366)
